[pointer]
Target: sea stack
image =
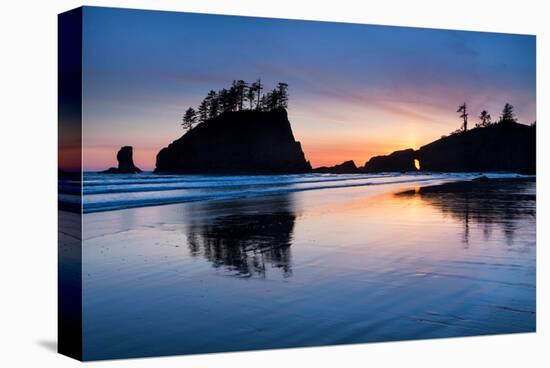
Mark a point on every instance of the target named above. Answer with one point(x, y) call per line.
point(346, 167)
point(506, 146)
point(125, 162)
point(400, 161)
point(236, 142)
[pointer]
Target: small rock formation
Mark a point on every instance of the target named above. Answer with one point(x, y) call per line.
point(238, 142)
point(397, 161)
point(507, 146)
point(347, 167)
point(125, 162)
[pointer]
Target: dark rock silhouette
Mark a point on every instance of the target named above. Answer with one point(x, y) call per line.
point(125, 162)
point(396, 161)
point(347, 167)
point(505, 146)
point(248, 141)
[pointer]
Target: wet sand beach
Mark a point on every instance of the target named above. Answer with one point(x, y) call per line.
point(329, 266)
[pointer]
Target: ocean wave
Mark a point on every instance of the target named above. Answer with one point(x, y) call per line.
point(219, 182)
point(103, 192)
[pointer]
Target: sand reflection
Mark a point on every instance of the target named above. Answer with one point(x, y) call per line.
point(247, 238)
point(503, 204)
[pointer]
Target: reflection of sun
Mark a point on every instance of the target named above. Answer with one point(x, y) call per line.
point(417, 164)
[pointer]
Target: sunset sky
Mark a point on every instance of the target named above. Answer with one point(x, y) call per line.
point(355, 90)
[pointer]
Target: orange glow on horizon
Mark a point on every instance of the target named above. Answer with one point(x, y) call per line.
point(104, 157)
point(324, 153)
point(320, 152)
point(355, 133)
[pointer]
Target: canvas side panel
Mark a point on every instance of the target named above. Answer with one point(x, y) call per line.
point(70, 183)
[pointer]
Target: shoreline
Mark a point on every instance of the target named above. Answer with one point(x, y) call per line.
point(246, 186)
point(372, 263)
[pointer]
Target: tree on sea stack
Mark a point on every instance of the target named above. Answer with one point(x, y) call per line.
point(233, 98)
point(240, 87)
point(202, 111)
point(251, 95)
point(189, 119)
point(277, 98)
point(270, 102)
point(282, 94)
point(262, 104)
point(484, 119)
point(508, 115)
point(226, 100)
point(463, 115)
point(213, 104)
point(258, 90)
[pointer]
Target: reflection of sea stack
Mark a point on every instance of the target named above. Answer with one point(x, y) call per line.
point(247, 238)
point(248, 141)
point(125, 162)
point(504, 203)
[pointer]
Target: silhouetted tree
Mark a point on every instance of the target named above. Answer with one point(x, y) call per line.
point(189, 119)
point(213, 104)
point(224, 98)
point(484, 119)
point(262, 104)
point(272, 100)
point(282, 95)
point(258, 88)
point(240, 87)
point(202, 111)
point(233, 99)
point(251, 95)
point(228, 98)
point(508, 115)
point(464, 115)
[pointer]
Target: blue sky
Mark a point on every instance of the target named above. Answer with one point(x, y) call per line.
point(355, 90)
